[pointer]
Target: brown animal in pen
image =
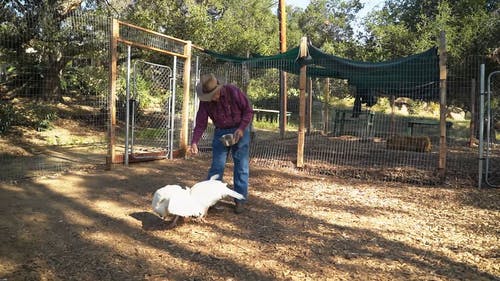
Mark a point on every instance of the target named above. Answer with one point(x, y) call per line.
point(418, 144)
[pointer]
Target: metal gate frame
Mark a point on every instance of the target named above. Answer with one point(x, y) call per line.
point(130, 122)
point(170, 108)
point(485, 142)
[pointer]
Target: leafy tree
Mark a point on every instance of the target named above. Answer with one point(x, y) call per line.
point(329, 24)
point(38, 43)
point(404, 27)
point(234, 27)
point(293, 32)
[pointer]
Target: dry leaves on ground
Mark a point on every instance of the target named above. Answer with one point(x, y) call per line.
point(98, 225)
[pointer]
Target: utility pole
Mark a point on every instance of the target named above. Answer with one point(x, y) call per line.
point(283, 80)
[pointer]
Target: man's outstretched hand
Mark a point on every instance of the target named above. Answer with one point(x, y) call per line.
point(238, 134)
point(193, 150)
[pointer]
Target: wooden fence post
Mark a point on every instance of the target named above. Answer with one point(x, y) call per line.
point(186, 98)
point(302, 104)
point(113, 62)
point(442, 119)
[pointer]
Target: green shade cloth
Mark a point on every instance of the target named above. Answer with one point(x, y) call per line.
point(415, 74)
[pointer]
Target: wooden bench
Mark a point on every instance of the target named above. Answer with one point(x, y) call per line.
point(422, 123)
point(268, 115)
point(365, 118)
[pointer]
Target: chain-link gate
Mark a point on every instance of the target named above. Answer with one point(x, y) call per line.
point(151, 112)
point(489, 148)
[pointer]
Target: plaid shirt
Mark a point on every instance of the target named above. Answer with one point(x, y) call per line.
point(232, 110)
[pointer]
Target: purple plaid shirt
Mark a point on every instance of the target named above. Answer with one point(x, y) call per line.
point(233, 110)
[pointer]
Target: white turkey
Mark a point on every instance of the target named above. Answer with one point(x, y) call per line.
point(175, 200)
point(209, 192)
point(190, 202)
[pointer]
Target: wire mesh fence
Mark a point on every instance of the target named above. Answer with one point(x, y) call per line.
point(53, 84)
point(54, 109)
point(388, 133)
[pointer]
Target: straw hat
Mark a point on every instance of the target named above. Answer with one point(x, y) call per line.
point(207, 87)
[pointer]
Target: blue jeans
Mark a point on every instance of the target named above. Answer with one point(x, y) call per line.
point(240, 152)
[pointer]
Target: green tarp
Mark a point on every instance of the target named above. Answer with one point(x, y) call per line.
point(418, 73)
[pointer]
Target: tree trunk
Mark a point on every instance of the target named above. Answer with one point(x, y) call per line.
point(51, 84)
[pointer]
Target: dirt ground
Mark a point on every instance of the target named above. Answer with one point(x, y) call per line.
point(98, 225)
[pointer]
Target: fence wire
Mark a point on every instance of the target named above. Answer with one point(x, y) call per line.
point(393, 134)
point(54, 85)
point(54, 110)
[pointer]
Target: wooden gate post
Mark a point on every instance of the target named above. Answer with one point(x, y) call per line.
point(113, 61)
point(186, 98)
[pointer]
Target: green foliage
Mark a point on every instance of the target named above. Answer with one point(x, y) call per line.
point(147, 95)
point(40, 116)
point(293, 32)
point(234, 27)
point(263, 87)
point(386, 39)
point(330, 23)
point(337, 102)
point(416, 106)
point(410, 26)
point(273, 126)
point(383, 105)
point(406, 27)
point(151, 133)
point(7, 117)
point(85, 80)
point(46, 49)
point(33, 115)
point(293, 92)
point(74, 56)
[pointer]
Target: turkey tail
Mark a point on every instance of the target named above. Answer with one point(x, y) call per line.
point(214, 177)
point(235, 194)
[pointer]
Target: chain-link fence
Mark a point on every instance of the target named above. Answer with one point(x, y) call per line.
point(151, 107)
point(54, 109)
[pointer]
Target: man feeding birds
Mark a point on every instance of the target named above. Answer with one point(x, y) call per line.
point(231, 112)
